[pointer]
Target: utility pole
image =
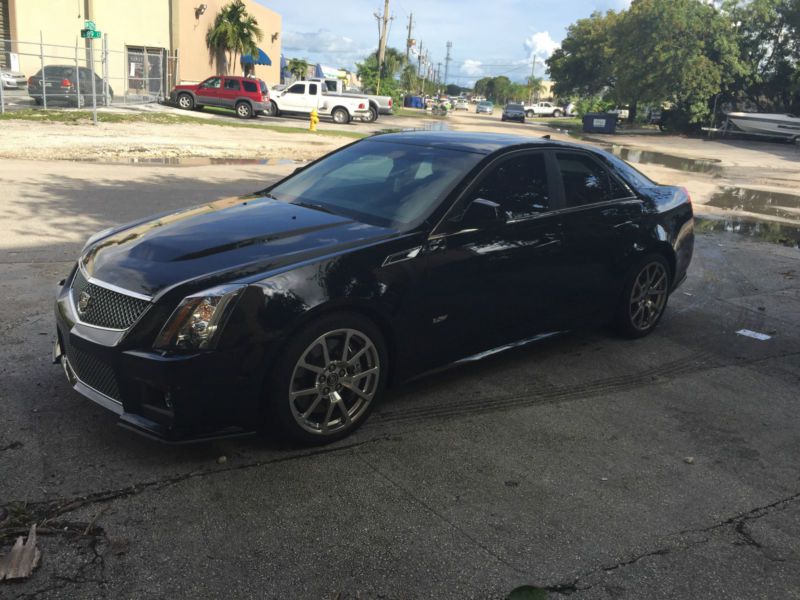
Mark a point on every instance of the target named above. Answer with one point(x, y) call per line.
point(408, 37)
point(438, 72)
point(533, 67)
point(419, 66)
point(383, 30)
point(447, 60)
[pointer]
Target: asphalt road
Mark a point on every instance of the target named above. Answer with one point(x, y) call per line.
point(587, 465)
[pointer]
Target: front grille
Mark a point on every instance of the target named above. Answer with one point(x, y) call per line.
point(92, 371)
point(105, 308)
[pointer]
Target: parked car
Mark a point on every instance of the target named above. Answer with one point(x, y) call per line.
point(513, 112)
point(67, 84)
point(378, 105)
point(296, 306)
point(247, 97)
point(12, 80)
point(461, 104)
point(302, 97)
point(485, 108)
point(543, 109)
point(570, 110)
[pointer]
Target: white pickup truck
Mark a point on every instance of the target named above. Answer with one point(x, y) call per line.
point(378, 105)
point(543, 109)
point(302, 97)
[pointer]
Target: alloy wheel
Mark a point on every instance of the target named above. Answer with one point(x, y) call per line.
point(334, 381)
point(648, 296)
point(185, 102)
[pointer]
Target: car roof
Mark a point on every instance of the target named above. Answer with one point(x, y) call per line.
point(468, 141)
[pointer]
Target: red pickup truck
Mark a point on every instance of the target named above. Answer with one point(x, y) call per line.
point(248, 97)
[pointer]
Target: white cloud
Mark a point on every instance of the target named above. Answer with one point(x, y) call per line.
point(540, 44)
point(323, 46)
point(472, 67)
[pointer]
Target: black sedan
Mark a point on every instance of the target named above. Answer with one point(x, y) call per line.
point(295, 307)
point(513, 112)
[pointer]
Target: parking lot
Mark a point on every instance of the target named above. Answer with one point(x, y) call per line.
point(586, 465)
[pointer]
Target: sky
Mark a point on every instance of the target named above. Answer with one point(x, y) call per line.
point(490, 37)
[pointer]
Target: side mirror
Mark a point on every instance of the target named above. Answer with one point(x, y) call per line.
point(481, 212)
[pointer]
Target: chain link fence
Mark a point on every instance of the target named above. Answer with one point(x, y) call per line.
point(86, 74)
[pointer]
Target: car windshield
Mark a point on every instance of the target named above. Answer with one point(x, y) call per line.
point(514, 107)
point(381, 183)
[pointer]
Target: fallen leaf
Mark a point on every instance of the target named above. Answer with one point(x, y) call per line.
point(23, 558)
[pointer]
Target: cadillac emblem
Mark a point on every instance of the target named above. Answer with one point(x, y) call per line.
point(83, 302)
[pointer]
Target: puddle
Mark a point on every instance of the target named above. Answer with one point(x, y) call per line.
point(693, 165)
point(776, 204)
point(195, 161)
point(776, 233)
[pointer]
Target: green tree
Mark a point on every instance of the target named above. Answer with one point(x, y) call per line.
point(394, 66)
point(584, 64)
point(234, 32)
point(535, 87)
point(298, 67)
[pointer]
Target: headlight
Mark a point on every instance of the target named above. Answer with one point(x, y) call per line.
point(197, 321)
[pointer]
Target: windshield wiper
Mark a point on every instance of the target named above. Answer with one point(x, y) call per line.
point(315, 207)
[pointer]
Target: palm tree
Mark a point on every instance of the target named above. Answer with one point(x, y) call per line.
point(535, 87)
point(234, 31)
point(297, 67)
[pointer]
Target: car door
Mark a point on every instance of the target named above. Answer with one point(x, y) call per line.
point(491, 283)
point(294, 99)
point(602, 219)
point(230, 91)
point(208, 92)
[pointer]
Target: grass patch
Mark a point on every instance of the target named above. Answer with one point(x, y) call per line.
point(568, 123)
point(81, 117)
point(401, 111)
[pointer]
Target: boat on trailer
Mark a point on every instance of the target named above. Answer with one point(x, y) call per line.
point(769, 124)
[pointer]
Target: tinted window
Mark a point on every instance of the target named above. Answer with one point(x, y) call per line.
point(331, 86)
point(514, 107)
point(312, 89)
point(250, 86)
point(297, 88)
point(518, 185)
point(586, 181)
point(55, 72)
point(382, 183)
point(213, 82)
point(232, 84)
point(263, 86)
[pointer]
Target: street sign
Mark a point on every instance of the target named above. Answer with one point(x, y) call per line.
point(91, 34)
point(89, 25)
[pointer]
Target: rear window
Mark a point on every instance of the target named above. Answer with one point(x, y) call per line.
point(250, 86)
point(514, 107)
point(263, 87)
point(57, 72)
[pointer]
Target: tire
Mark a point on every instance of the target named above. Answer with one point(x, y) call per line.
point(329, 383)
point(38, 101)
point(557, 113)
point(530, 114)
point(185, 101)
point(340, 116)
point(373, 114)
point(644, 297)
point(272, 110)
point(244, 110)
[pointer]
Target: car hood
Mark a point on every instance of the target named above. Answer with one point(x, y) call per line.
point(221, 241)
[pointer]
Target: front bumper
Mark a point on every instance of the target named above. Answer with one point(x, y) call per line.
point(172, 398)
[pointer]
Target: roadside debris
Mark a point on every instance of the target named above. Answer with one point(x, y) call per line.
point(222, 460)
point(754, 334)
point(689, 460)
point(23, 558)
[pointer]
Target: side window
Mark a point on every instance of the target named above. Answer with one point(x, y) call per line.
point(312, 89)
point(250, 86)
point(519, 185)
point(232, 85)
point(212, 83)
point(297, 88)
point(331, 86)
point(587, 181)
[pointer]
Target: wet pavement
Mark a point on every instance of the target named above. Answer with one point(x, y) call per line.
point(586, 465)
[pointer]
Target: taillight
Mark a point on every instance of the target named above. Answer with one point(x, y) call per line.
point(390, 103)
point(688, 195)
point(361, 106)
point(30, 81)
point(66, 83)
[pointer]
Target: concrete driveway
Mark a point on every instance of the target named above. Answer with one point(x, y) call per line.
point(586, 466)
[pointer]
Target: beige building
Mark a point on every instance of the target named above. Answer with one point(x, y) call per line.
point(151, 44)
